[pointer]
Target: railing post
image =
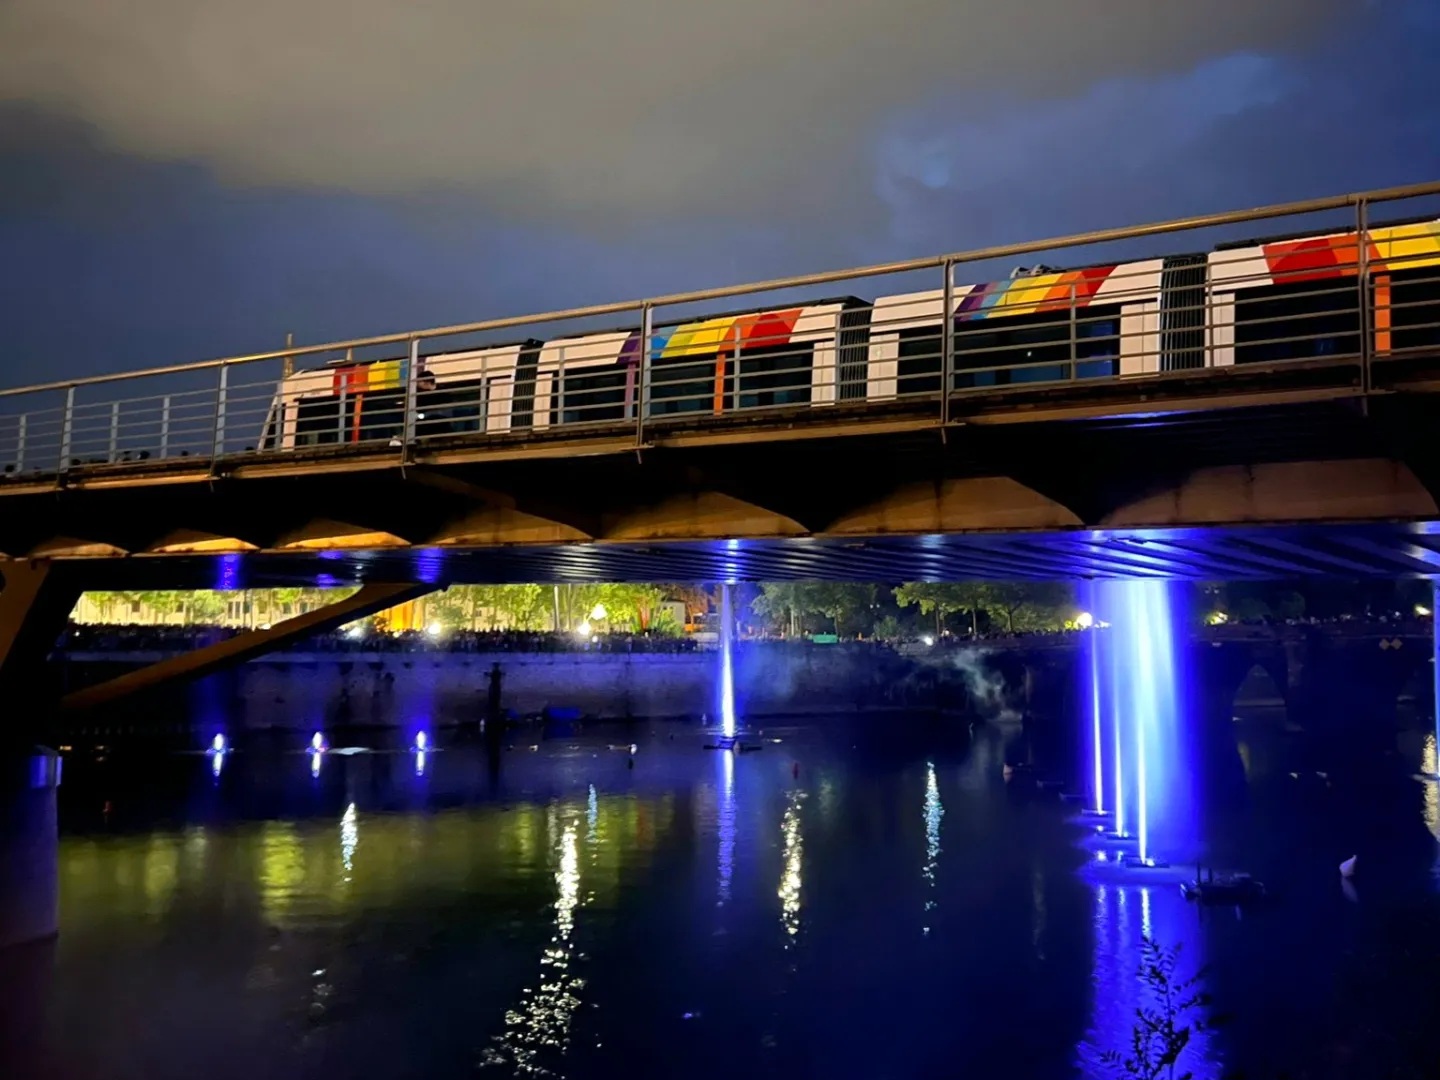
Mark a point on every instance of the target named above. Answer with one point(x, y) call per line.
point(735, 382)
point(557, 395)
point(165, 426)
point(412, 395)
point(642, 372)
point(1074, 338)
point(114, 452)
point(67, 428)
point(222, 393)
point(20, 444)
point(1362, 276)
point(947, 341)
point(485, 391)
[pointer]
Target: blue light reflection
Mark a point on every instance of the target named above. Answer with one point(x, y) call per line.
point(726, 824)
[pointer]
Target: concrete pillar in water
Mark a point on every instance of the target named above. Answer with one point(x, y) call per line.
point(1435, 634)
point(29, 847)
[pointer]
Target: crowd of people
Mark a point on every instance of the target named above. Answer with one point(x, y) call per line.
point(106, 638)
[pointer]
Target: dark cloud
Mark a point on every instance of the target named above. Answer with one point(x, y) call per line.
point(752, 108)
point(122, 252)
point(1241, 130)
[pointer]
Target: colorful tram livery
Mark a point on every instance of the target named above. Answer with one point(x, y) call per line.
point(1259, 301)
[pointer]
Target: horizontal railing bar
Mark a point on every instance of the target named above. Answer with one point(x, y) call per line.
point(1099, 236)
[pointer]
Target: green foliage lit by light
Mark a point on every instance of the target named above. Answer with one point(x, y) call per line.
point(848, 606)
point(1012, 606)
point(1163, 1029)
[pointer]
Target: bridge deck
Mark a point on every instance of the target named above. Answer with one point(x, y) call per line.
point(1097, 422)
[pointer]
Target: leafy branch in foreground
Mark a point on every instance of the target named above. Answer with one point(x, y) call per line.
point(1162, 1031)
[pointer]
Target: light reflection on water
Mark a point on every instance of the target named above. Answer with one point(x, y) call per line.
point(934, 811)
point(565, 926)
point(792, 877)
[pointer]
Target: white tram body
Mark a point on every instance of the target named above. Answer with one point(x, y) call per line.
point(1290, 298)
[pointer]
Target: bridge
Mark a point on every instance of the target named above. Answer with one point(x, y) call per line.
point(1256, 408)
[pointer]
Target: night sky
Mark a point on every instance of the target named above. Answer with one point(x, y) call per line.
point(182, 180)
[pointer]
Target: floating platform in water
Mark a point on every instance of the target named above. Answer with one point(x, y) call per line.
point(1229, 890)
point(1090, 819)
point(1124, 868)
point(1102, 836)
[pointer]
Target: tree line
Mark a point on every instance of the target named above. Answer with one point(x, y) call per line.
point(866, 609)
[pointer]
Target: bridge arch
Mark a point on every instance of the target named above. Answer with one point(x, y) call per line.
point(1349, 490)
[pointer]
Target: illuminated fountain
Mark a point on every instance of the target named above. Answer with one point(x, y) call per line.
point(726, 703)
point(727, 668)
point(1138, 734)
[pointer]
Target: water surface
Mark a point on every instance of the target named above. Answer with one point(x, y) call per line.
point(824, 907)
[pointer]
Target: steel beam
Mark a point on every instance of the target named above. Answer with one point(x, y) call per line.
point(204, 661)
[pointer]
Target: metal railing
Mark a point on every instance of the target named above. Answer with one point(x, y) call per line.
point(1340, 301)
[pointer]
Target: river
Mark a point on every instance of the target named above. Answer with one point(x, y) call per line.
point(827, 906)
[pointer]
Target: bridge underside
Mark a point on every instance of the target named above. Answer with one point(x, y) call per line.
point(1209, 554)
point(1340, 488)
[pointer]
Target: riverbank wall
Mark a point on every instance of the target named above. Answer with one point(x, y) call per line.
point(331, 690)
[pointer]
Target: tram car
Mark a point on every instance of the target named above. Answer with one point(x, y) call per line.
point(1258, 301)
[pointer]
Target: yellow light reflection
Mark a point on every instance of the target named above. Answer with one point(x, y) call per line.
point(538, 1029)
point(791, 879)
point(282, 870)
point(161, 872)
point(1430, 763)
point(349, 840)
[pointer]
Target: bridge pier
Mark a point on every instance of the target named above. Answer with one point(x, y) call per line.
point(1218, 669)
point(1348, 696)
point(29, 847)
point(1435, 673)
point(36, 598)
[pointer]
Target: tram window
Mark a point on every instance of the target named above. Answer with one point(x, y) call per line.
point(597, 395)
point(991, 352)
point(1297, 320)
point(684, 384)
point(382, 416)
point(317, 420)
point(1415, 308)
point(1097, 343)
point(450, 408)
point(918, 361)
point(776, 375)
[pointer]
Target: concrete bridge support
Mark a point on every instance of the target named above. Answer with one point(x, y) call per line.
point(36, 598)
point(1216, 672)
point(29, 847)
point(1347, 696)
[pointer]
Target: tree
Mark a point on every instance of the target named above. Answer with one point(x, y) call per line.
point(780, 602)
point(696, 598)
point(848, 605)
point(944, 598)
point(632, 607)
point(450, 608)
point(1023, 605)
point(161, 604)
point(845, 604)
